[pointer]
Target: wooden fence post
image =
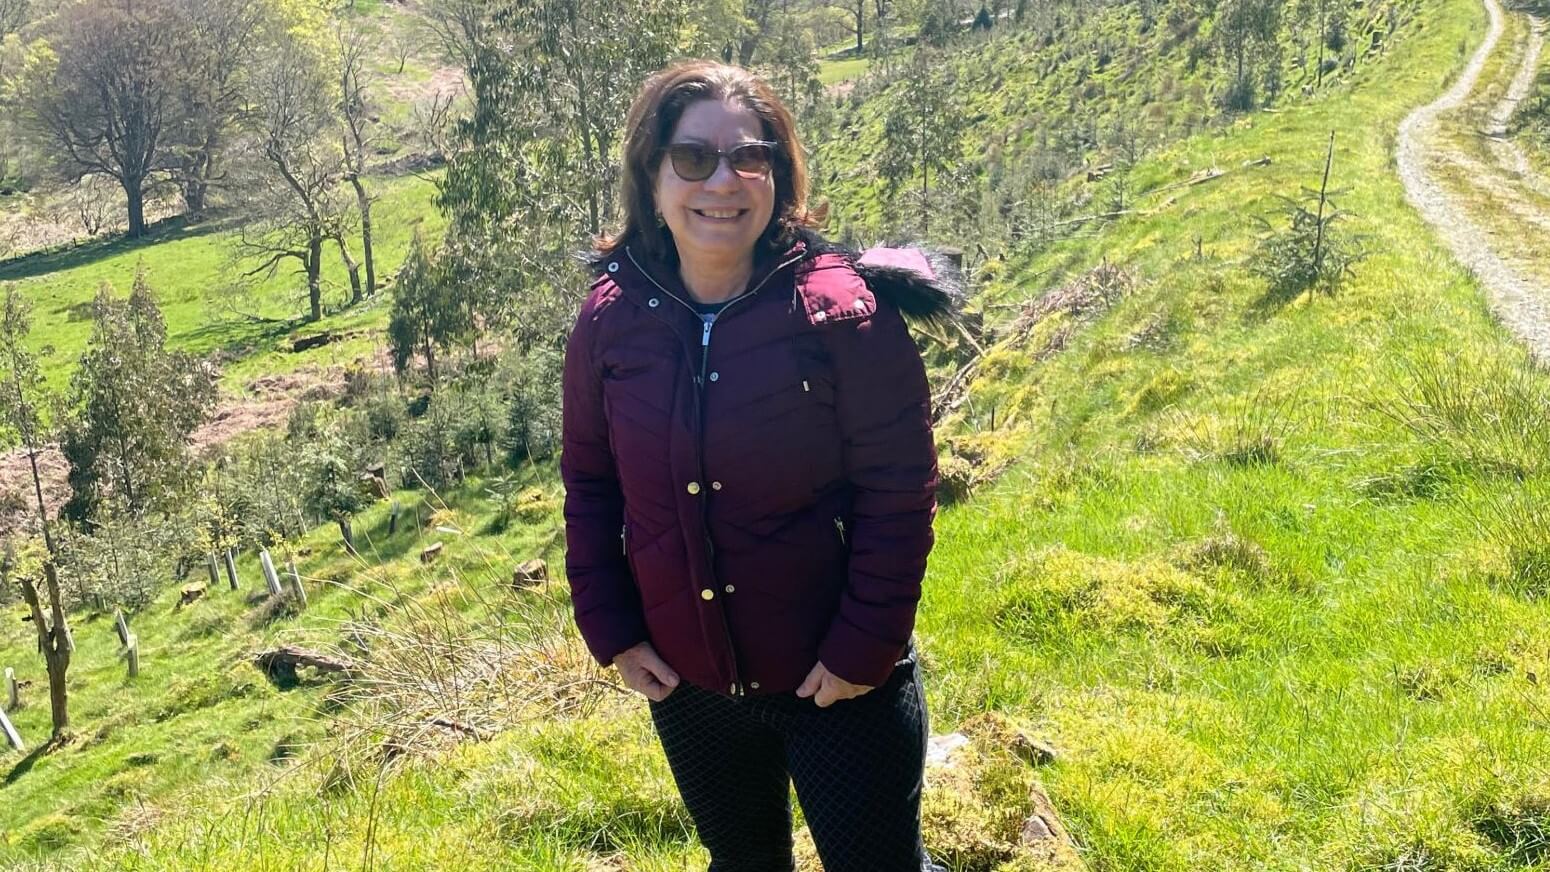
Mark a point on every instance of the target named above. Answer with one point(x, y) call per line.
point(132, 654)
point(12, 697)
point(271, 578)
point(11, 735)
point(121, 626)
point(231, 569)
point(296, 585)
point(214, 569)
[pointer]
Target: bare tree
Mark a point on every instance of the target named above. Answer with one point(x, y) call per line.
point(433, 119)
point(300, 214)
point(460, 26)
point(22, 395)
point(355, 107)
point(13, 14)
point(105, 104)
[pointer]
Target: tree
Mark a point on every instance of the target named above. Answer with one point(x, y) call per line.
point(299, 210)
point(427, 312)
point(924, 123)
point(354, 106)
point(22, 392)
point(134, 406)
point(102, 94)
point(538, 159)
point(1245, 31)
point(13, 14)
point(217, 42)
point(461, 27)
point(334, 486)
point(22, 395)
point(1312, 254)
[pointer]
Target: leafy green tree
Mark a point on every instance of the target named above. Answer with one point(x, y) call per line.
point(428, 311)
point(538, 165)
point(334, 490)
point(1245, 31)
point(921, 135)
point(134, 406)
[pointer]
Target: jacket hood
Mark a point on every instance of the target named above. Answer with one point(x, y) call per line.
point(921, 283)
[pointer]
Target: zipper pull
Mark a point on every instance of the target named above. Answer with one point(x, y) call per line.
point(705, 337)
point(839, 524)
point(624, 542)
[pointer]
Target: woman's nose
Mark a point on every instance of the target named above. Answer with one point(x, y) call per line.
point(724, 178)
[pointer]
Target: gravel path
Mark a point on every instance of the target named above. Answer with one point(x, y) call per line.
point(1509, 155)
point(1522, 304)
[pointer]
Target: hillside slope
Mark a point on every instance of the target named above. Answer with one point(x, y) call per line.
point(1269, 576)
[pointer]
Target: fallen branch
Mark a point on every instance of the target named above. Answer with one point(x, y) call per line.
point(281, 664)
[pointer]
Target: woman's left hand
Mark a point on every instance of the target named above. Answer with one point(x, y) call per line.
point(826, 688)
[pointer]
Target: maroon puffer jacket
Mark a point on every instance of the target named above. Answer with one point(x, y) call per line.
point(757, 503)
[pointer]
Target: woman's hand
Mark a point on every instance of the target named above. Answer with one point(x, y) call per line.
point(826, 688)
point(646, 673)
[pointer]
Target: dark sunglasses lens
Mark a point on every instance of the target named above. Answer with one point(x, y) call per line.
point(752, 159)
point(692, 163)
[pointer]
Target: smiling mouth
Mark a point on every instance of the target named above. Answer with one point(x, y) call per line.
point(720, 214)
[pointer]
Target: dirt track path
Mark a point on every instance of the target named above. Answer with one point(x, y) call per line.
point(1508, 186)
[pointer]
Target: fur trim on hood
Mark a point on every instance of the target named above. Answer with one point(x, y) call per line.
point(920, 282)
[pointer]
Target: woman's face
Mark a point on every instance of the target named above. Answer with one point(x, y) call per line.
point(721, 217)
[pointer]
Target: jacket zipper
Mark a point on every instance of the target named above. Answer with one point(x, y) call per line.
point(699, 399)
point(624, 539)
point(839, 524)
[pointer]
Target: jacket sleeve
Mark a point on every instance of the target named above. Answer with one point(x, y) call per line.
point(884, 410)
point(603, 593)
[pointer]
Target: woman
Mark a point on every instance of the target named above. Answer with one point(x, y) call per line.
point(750, 483)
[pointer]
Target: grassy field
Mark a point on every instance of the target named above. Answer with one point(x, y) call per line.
point(1268, 575)
point(208, 304)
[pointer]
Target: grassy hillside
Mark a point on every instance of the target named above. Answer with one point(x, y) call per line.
point(208, 304)
point(1268, 575)
point(1075, 89)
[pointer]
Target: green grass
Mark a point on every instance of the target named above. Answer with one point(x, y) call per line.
point(1266, 625)
point(208, 305)
point(847, 70)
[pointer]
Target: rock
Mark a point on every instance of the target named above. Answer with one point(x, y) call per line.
point(191, 592)
point(530, 574)
point(1046, 837)
point(939, 750)
point(430, 552)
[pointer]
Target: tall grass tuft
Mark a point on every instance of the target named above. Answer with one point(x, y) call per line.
point(1516, 524)
point(1491, 418)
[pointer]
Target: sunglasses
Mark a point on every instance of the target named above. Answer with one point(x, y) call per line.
point(696, 162)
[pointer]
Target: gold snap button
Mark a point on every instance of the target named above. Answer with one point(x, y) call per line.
point(694, 487)
point(707, 594)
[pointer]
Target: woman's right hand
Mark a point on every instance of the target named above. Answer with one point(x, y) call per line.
point(646, 673)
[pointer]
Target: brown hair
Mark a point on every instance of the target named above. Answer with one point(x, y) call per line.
point(649, 127)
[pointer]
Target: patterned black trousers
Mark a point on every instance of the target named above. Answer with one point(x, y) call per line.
point(857, 766)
